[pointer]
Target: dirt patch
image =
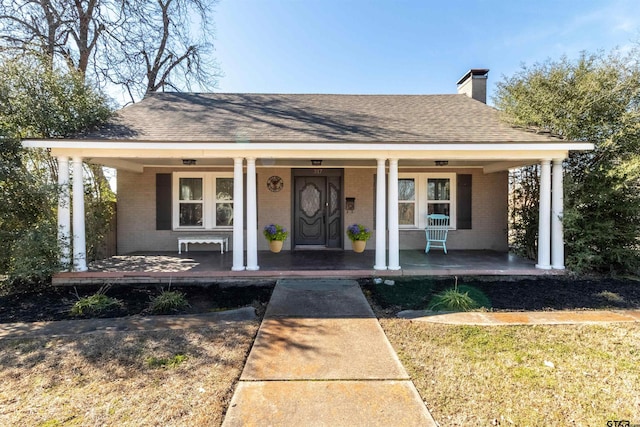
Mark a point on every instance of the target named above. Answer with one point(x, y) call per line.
point(55, 303)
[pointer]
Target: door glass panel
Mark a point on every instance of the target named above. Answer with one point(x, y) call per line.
point(224, 188)
point(310, 200)
point(190, 188)
point(334, 205)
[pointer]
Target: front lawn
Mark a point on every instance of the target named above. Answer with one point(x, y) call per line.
point(154, 378)
point(581, 375)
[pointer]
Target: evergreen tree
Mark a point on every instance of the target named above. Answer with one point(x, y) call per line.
point(596, 99)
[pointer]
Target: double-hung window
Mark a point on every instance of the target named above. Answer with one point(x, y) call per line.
point(202, 200)
point(439, 196)
point(190, 202)
point(406, 201)
point(420, 194)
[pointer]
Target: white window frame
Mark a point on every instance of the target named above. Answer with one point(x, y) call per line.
point(209, 196)
point(421, 179)
point(416, 205)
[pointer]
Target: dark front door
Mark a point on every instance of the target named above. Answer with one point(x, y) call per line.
point(317, 216)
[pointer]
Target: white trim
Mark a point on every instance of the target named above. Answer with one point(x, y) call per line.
point(311, 146)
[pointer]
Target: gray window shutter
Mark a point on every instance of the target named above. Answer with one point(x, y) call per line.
point(163, 201)
point(464, 202)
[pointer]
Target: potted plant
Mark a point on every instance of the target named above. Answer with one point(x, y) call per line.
point(276, 235)
point(359, 234)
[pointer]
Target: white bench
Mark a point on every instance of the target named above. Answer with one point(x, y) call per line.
point(223, 241)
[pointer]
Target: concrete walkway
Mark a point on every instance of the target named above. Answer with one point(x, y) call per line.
point(321, 359)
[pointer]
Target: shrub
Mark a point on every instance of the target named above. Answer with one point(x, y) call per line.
point(168, 302)
point(96, 304)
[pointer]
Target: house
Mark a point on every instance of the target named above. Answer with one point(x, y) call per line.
point(229, 164)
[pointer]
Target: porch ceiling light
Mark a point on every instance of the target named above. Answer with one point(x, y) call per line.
point(442, 162)
point(316, 162)
point(189, 162)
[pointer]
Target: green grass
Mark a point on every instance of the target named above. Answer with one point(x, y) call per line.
point(582, 375)
point(165, 362)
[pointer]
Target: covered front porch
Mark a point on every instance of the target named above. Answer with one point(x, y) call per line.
point(211, 266)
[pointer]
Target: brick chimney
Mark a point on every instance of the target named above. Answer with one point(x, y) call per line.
point(474, 84)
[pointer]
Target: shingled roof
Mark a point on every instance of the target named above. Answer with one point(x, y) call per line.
point(218, 117)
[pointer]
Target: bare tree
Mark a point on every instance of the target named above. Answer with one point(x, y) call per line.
point(142, 46)
point(163, 44)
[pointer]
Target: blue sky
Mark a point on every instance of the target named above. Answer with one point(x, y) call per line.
point(404, 46)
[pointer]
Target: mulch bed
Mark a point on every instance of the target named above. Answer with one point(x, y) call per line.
point(544, 293)
point(51, 303)
point(517, 294)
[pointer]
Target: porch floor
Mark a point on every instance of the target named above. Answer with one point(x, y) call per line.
point(207, 266)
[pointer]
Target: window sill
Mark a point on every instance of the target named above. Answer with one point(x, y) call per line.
point(225, 228)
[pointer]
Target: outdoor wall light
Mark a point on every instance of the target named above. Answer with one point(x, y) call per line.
point(189, 162)
point(316, 162)
point(442, 162)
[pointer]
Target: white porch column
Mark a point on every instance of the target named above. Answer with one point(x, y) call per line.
point(544, 222)
point(238, 215)
point(79, 237)
point(394, 232)
point(557, 210)
point(381, 232)
point(64, 212)
point(252, 217)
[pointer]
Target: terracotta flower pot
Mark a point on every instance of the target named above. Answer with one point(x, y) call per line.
point(358, 245)
point(275, 245)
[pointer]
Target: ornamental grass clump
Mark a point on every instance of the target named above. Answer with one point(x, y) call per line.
point(168, 302)
point(463, 298)
point(358, 232)
point(96, 304)
point(275, 232)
